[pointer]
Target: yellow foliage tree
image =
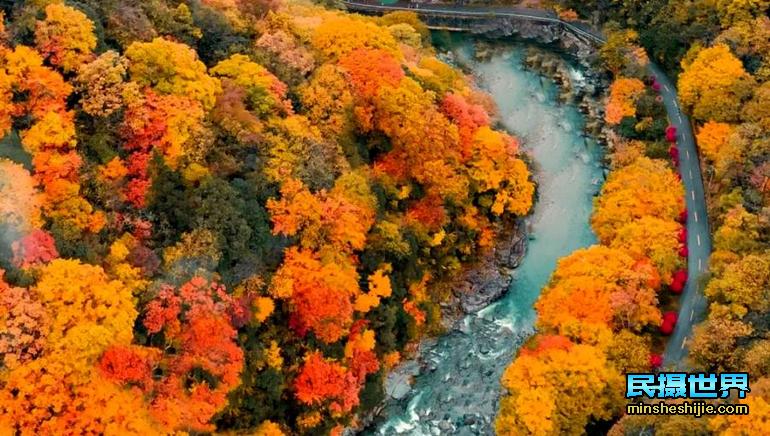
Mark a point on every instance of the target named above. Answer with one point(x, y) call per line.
point(76, 295)
point(644, 188)
point(494, 167)
point(66, 36)
point(339, 35)
point(558, 391)
point(172, 68)
point(655, 239)
point(714, 85)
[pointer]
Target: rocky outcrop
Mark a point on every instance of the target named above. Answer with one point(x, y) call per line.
point(587, 92)
point(537, 31)
point(491, 277)
point(486, 280)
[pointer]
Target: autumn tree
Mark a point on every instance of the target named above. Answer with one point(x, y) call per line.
point(547, 390)
point(714, 341)
point(322, 219)
point(744, 283)
point(327, 100)
point(338, 35)
point(321, 295)
point(297, 149)
point(265, 94)
point(326, 383)
point(20, 202)
point(714, 85)
point(621, 54)
point(103, 84)
point(65, 37)
point(754, 423)
point(203, 368)
point(644, 188)
point(35, 248)
point(84, 313)
point(714, 140)
point(600, 286)
point(24, 323)
point(171, 68)
point(654, 239)
point(494, 167)
point(624, 93)
point(757, 110)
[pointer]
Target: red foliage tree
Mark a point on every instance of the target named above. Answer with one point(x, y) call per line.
point(428, 211)
point(326, 383)
point(35, 248)
point(200, 367)
point(467, 116)
point(678, 281)
point(130, 365)
point(320, 294)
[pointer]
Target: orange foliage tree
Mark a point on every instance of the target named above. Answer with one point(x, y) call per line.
point(622, 102)
point(56, 390)
point(321, 294)
point(324, 219)
point(599, 286)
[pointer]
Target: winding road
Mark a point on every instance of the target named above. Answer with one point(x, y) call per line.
point(693, 304)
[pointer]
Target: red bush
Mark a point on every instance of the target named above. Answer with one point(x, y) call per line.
point(683, 235)
point(656, 361)
point(671, 134)
point(679, 280)
point(668, 324)
point(683, 216)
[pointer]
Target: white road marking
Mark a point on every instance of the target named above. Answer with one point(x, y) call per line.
point(698, 235)
point(700, 264)
point(692, 312)
point(684, 341)
point(680, 118)
point(692, 194)
point(688, 153)
point(665, 87)
point(696, 216)
point(690, 173)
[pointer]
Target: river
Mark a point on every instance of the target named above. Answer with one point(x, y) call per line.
point(459, 392)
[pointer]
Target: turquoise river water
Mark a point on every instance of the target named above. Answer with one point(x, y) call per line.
point(460, 390)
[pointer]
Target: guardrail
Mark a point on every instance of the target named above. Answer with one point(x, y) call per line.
point(436, 10)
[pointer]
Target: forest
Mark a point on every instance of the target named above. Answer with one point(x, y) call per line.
point(720, 53)
point(237, 216)
point(227, 215)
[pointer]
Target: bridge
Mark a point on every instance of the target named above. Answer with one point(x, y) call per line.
point(693, 304)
